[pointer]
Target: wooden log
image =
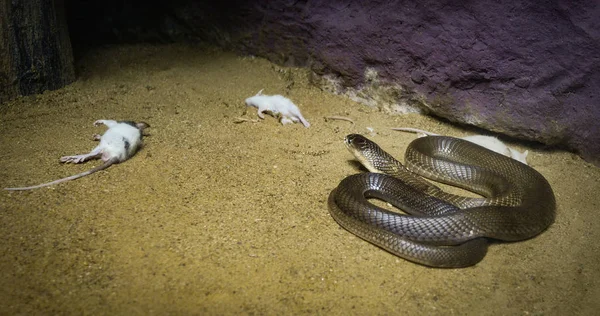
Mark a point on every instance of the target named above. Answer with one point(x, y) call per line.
point(35, 50)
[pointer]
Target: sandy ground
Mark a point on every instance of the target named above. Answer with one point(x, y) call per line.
point(218, 217)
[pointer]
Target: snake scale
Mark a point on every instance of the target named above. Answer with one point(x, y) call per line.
point(441, 229)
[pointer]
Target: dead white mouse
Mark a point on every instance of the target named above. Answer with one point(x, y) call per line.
point(490, 142)
point(277, 105)
point(120, 142)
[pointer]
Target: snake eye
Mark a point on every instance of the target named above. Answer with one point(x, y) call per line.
point(349, 139)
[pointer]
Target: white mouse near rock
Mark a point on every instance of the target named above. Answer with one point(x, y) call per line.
point(277, 105)
point(120, 142)
point(490, 142)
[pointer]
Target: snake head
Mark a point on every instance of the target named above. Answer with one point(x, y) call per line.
point(364, 150)
point(371, 156)
point(356, 142)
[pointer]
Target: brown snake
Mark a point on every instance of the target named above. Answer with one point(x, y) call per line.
point(442, 230)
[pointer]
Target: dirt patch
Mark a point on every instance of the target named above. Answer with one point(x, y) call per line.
point(219, 216)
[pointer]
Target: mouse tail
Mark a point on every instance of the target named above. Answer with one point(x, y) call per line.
point(414, 130)
point(73, 177)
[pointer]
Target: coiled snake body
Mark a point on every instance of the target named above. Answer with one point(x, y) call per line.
point(445, 230)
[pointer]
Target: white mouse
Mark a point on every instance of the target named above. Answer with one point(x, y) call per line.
point(490, 142)
point(277, 105)
point(120, 142)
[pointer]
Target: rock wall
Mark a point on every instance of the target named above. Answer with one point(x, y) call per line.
point(525, 68)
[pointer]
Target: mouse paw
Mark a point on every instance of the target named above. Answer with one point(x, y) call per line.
point(74, 159)
point(96, 136)
point(108, 123)
point(286, 120)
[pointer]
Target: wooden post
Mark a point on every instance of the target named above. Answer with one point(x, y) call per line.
point(35, 50)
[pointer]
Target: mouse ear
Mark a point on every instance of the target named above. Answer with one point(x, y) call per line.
point(260, 92)
point(142, 125)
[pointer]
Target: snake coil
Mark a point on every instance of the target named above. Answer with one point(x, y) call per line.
point(441, 229)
